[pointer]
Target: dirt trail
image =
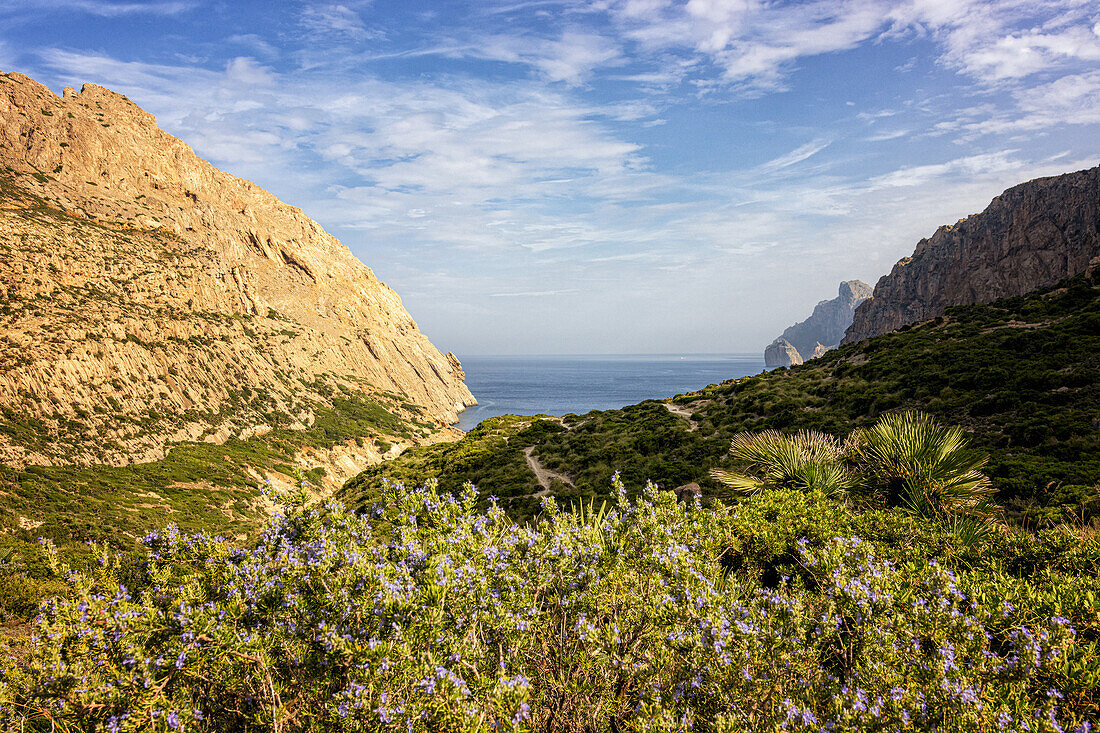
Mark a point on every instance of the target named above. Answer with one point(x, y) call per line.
point(683, 412)
point(543, 474)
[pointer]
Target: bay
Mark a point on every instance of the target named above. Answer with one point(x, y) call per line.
point(559, 385)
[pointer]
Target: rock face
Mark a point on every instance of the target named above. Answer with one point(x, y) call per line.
point(145, 295)
point(780, 353)
point(825, 327)
point(1031, 236)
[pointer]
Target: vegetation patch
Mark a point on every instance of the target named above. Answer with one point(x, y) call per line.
point(492, 452)
point(786, 612)
point(1020, 376)
point(198, 486)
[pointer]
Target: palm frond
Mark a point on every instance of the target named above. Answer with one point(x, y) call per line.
point(805, 461)
point(739, 482)
point(923, 466)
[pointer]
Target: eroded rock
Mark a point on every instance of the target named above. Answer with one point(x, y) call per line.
point(1031, 236)
point(146, 295)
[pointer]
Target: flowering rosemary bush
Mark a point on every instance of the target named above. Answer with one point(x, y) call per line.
point(432, 616)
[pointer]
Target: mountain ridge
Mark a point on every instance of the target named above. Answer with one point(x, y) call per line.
point(1031, 236)
point(182, 302)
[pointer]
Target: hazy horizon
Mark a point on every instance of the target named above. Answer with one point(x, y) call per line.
point(541, 177)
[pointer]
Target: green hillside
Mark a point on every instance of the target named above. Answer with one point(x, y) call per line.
point(198, 486)
point(1021, 376)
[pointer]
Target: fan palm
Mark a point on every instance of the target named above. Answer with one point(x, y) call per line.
point(923, 466)
point(807, 461)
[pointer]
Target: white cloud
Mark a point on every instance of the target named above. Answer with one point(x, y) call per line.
point(245, 71)
point(334, 20)
point(752, 42)
point(104, 8)
point(571, 57)
point(884, 136)
point(483, 165)
point(1016, 55)
point(451, 185)
point(961, 168)
point(755, 45)
point(255, 43)
point(1073, 99)
point(996, 40)
point(796, 156)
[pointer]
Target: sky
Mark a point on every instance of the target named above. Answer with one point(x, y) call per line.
point(610, 176)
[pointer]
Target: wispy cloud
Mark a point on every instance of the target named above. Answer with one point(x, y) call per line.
point(470, 164)
point(572, 56)
point(255, 43)
point(755, 45)
point(799, 154)
point(532, 293)
point(884, 136)
point(994, 40)
point(962, 168)
point(104, 8)
point(511, 164)
point(334, 20)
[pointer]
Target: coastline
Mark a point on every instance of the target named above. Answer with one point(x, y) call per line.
point(561, 384)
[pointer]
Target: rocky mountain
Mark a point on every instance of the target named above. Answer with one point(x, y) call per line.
point(781, 353)
point(147, 298)
point(1031, 236)
point(822, 331)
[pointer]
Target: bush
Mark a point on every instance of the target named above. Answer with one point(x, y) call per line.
point(21, 595)
point(431, 615)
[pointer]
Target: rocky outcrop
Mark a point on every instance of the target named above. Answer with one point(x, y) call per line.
point(146, 296)
point(824, 329)
point(780, 353)
point(1031, 236)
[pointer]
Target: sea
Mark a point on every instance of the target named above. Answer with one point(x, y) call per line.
point(560, 385)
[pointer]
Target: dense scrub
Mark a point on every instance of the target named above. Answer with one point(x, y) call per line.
point(492, 452)
point(1021, 376)
point(786, 611)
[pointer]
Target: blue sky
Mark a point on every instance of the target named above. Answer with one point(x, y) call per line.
point(613, 176)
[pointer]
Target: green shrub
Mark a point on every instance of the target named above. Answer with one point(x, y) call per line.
point(21, 595)
point(433, 616)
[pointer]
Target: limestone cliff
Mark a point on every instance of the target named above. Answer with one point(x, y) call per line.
point(780, 353)
point(823, 330)
point(147, 297)
point(1031, 236)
